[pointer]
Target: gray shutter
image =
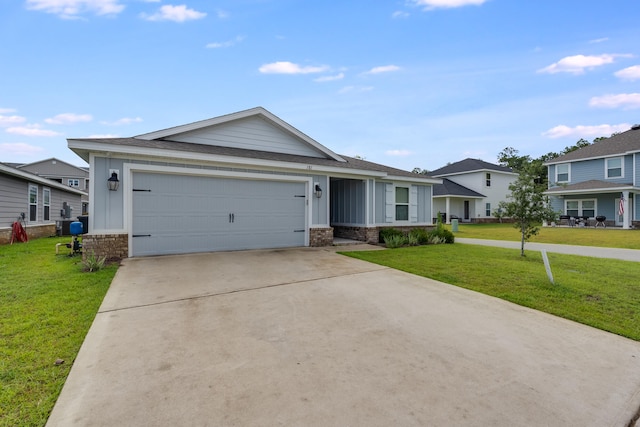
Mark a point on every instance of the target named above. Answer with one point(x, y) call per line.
point(390, 205)
point(413, 203)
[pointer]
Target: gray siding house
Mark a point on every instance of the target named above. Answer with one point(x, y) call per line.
point(63, 173)
point(245, 180)
point(601, 179)
point(39, 199)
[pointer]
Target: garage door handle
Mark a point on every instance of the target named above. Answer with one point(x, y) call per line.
point(232, 217)
point(141, 235)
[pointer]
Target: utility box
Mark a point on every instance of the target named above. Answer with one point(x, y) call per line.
point(454, 225)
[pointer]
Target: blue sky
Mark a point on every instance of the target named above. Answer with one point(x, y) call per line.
point(409, 83)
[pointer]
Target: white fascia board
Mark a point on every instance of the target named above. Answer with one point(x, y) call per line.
point(606, 156)
point(456, 196)
point(163, 155)
point(35, 178)
point(257, 111)
point(416, 180)
point(590, 191)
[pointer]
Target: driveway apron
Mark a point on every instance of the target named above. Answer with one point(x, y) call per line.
point(309, 337)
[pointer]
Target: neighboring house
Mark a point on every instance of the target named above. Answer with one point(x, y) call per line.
point(64, 173)
point(593, 180)
point(471, 190)
point(245, 180)
point(39, 199)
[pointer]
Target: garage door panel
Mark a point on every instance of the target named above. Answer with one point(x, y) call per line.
point(183, 214)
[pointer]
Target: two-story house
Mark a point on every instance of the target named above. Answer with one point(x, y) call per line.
point(601, 179)
point(64, 173)
point(471, 189)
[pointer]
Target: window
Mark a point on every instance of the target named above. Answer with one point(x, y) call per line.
point(614, 167)
point(402, 204)
point(562, 172)
point(487, 179)
point(581, 208)
point(46, 204)
point(487, 209)
point(33, 203)
point(73, 183)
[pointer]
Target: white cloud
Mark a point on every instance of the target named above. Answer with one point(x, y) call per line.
point(600, 40)
point(19, 149)
point(71, 9)
point(348, 89)
point(398, 153)
point(178, 13)
point(630, 73)
point(123, 121)
point(383, 69)
point(228, 43)
point(625, 101)
point(222, 14)
point(7, 110)
point(31, 130)
point(585, 131)
point(69, 118)
point(399, 14)
point(323, 79)
point(285, 67)
point(578, 63)
point(445, 4)
point(11, 120)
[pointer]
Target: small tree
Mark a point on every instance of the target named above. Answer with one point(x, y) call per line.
point(528, 207)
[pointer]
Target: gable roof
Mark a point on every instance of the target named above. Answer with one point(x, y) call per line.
point(28, 176)
point(175, 133)
point(469, 165)
point(450, 188)
point(623, 143)
point(51, 165)
point(160, 144)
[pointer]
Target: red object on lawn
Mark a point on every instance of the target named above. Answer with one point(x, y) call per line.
point(18, 234)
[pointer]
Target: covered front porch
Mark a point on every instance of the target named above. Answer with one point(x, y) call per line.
point(597, 202)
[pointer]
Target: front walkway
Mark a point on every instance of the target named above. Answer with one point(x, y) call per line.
point(592, 251)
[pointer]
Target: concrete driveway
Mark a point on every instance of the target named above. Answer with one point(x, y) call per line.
point(309, 337)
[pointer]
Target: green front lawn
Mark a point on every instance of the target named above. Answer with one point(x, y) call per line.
point(47, 305)
point(607, 237)
point(602, 293)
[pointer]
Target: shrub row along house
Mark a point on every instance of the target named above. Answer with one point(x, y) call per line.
point(246, 180)
point(599, 180)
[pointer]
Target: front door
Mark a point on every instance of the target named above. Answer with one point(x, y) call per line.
point(466, 209)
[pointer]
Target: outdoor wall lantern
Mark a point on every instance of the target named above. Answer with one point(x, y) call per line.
point(113, 182)
point(318, 191)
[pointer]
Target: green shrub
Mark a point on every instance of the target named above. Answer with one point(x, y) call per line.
point(420, 235)
point(443, 234)
point(412, 239)
point(93, 263)
point(395, 241)
point(385, 233)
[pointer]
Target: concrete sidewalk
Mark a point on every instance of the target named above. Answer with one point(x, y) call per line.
point(310, 337)
point(592, 251)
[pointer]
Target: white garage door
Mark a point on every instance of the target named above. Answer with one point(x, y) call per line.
point(181, 214)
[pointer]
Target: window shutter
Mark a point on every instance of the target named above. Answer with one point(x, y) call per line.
point(389, 208)
point(413, 204)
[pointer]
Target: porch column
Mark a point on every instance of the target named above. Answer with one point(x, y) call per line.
point(447, 209)
point(626, 216)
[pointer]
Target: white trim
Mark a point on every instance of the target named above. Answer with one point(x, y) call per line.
point(589, 191)
point(580, 207)
point(29, 204)
point(568, 173)
point(131, 168)
point(43, 205)
point(606, 168)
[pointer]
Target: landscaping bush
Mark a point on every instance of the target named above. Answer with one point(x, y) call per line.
point(395, 241)
point(420, 235)
point(385, 233)
point(442, 234)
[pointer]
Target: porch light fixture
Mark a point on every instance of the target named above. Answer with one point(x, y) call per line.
point(113, 182)
point(318, 191)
